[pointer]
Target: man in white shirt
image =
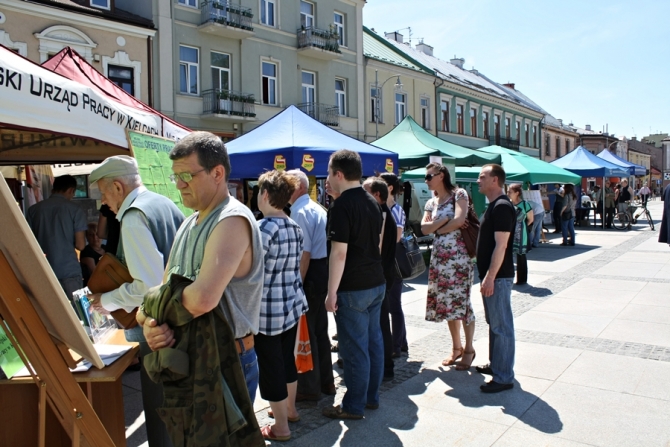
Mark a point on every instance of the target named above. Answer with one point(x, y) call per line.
point(149, 222)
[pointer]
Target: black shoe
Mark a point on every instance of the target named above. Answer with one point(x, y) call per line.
point(340, 363)
point(572, 244)
point(495, 387)
point(564, 244)
point(404, 349)
point(371, 406)
point(395, 355)
point(485, 369)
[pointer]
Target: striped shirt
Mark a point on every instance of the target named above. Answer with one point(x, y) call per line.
point(283, 299)
point(398, 215)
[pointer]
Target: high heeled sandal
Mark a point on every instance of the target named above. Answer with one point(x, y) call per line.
point(462, 366)
point(452, 360)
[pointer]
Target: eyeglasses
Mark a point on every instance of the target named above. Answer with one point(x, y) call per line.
point(184, 176)
point(429, 177)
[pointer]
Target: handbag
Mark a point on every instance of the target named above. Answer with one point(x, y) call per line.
point(110, 274)
point(408, 257)
point(469, 232)
point(303, 348)
point(567, 214)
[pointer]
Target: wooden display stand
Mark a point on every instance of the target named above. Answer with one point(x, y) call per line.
point(84, 409)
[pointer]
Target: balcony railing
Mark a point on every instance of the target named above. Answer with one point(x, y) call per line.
point(508, 143)
point(228, 102)
point(226, 13)
point(318, 38)
point(323, 113)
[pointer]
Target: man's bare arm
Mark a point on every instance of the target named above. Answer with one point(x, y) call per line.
point(80, 240)
point(338, 256)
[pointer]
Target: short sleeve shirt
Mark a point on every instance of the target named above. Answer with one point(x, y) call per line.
point(356, 220)
point(398, 215)
point(500, 216)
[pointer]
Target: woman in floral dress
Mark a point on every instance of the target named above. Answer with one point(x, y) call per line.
point(451, 270)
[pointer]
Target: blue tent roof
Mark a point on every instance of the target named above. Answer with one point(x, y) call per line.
point(632, 168)
point(584, 163)
point(292, 140)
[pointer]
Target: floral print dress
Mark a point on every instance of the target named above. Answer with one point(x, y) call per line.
point(451, 271)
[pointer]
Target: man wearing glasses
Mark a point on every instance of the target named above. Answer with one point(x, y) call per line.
point(149, 223)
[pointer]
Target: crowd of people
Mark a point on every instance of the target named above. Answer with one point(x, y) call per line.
point(254, 273)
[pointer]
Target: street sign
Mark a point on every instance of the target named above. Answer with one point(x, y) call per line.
point(666, 175)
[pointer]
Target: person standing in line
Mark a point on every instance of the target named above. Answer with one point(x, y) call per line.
point(282, 305)
point(59, 225)
point(569, 202)
point(394, 290)
point(625, 196)
point(559, 192)
point(378, 189)
point(149, 223)
point(314, 272)
point(610, 204)
point(356, 285)
point(451, 271)
point(524, 217)
point(496, 272)
point(538, 218)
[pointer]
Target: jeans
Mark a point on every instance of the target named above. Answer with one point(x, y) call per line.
point(361, 346)
point(568, 227)
point(397, 317)
point(536, 231)
point(498, 312)
point(250, 369)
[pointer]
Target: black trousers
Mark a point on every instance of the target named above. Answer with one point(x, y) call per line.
point(385, 323)
point(556, 215)
point(521, 269)
point(609, 216)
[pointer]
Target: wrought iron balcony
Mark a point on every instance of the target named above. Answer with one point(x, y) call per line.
point(508, 143)
point(323, 113)
point(226, 19)
point(228, 102)
point(318, 43)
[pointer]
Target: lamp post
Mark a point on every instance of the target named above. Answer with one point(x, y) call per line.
point(398, 86)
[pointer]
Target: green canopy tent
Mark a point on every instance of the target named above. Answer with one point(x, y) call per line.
point(414, 145)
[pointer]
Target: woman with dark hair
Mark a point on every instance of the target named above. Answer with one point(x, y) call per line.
point(524, 217)
point(568, 225)
point(395, 290)
point(451, 270)
point(282, 304)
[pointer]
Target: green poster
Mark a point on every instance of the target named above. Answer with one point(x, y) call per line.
point(152, 154)
point(10, 362)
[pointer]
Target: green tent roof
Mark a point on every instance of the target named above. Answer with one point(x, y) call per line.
point(414, 145)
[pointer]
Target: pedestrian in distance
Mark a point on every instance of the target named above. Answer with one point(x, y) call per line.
point(568, 215)
point(524, 218)
point(559, 192)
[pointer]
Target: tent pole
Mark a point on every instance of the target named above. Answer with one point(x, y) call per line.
point(602, 219)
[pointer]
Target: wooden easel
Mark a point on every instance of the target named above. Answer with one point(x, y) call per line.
point(50, 360)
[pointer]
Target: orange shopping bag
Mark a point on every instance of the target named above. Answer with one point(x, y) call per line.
point(303, 349)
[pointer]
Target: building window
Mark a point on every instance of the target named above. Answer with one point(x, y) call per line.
point(444, 107)
point(220, 71)
point(496, 126)
point(508, 128)
point(567, 145)
point(268, 8)
point(373, 105)
point(558, 147)
point(102, 4)
point(191, 3)
point(425, 113)
point(341, 96)
point(546, 145)
point(339, 28)
point(400, 107)
point(517, 131)
point(459, 119)
point(188, 69)
point(308, 87)
point(473, 121)
point(485, 123)
point(526, 128)
point(534, 136)
point(122, 77)
point(269, 81)
point(306, 14)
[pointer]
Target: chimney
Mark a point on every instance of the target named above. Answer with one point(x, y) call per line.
point(473, 71)
point(588, 127)
point(458, 61)
point(509, 85)
point(560, 121)
point(424, 48)
point(394, 36)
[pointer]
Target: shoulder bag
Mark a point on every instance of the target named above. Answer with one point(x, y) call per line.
point(110, 274)
point(567, 214)
point(408, 257)
point(470, 231)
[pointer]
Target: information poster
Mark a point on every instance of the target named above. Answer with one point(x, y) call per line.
point(10, 362)
point(152, 154)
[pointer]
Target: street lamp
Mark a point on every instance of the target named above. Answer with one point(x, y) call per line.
point(398, 86)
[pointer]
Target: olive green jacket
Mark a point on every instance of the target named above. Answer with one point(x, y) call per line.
point(206, 398)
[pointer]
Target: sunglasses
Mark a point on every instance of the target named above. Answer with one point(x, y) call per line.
point(429, 177)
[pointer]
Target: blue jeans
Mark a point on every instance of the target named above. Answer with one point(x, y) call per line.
point(568, 227)
point(250, 369)
point(361, 346)
point(536, 231)
point(498, 312)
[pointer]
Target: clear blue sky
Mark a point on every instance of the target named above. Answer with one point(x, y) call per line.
point(588, 62)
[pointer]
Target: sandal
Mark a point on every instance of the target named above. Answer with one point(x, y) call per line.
point(290, 419)
point(463, 366)
point(452, 360)
point(269, 434)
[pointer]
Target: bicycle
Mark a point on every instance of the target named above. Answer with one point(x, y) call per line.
point(622, 220)
point(644, 210)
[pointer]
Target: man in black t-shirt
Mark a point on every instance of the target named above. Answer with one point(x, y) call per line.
point(355, 285)
point(496, 272)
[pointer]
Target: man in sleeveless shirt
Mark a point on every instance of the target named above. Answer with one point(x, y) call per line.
point(149, 222)
point(219, 247)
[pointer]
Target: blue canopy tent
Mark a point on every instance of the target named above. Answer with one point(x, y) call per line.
point(294, 140)
point(632, 168)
